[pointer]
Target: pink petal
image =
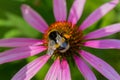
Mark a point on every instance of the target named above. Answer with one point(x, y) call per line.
point(60, 77)
point(104, 32)
point(76, 11)
point(65, 71)
point(84, 69)
point(53, 71)
point(104, 68)
point(98, 14)
point(104, 44)
point(60, 11)
point(19, 42)
point(33, 18)
point(20, 53)
point(28, 71)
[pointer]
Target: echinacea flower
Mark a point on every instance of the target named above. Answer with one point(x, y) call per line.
point(63, 39)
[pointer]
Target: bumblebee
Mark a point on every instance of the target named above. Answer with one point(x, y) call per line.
point(57, 41)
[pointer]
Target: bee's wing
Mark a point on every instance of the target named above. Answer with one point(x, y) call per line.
point(60, 39)
point(51, 47)
point(50, 51)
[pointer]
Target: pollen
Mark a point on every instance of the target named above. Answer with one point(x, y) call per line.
point(73, 36)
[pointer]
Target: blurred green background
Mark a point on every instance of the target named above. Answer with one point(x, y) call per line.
point(12, 25)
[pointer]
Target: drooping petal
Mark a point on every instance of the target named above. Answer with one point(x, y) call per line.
point(98, 14)
point(84, 69)
point(106, 31)
point(104, 44)
point(33, 18)
point(28, 71)
point(76, 11)
point(60, 75)
point(64, 74)
point(60, 11)
point(100, 65)
point(19, 42)
point(53, 71)
point(20, 53)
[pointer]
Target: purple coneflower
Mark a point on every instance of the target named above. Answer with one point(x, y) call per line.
point(63, 39)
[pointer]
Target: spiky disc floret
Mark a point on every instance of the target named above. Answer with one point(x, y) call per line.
point(73, 35)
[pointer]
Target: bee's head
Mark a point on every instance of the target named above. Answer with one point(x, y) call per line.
point(53, 35)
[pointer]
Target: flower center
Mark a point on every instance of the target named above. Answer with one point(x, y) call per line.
point(63, 39)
